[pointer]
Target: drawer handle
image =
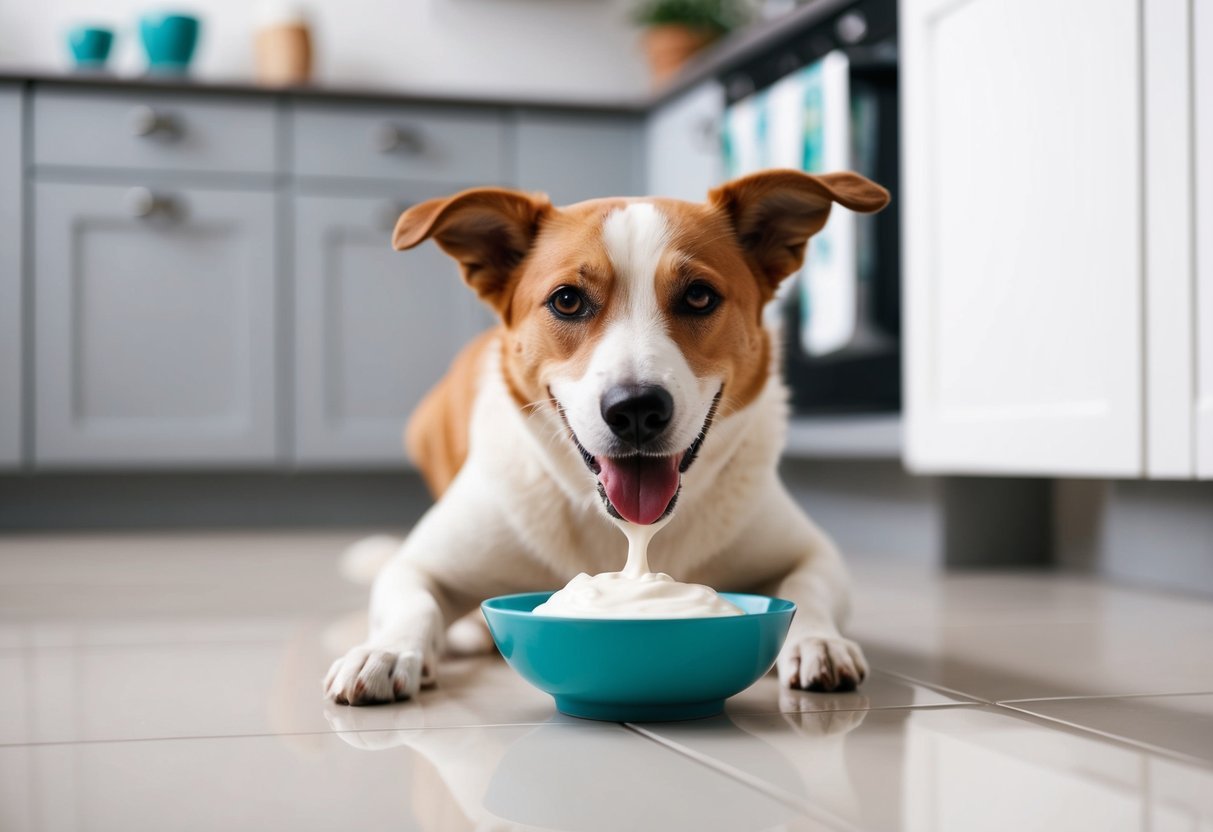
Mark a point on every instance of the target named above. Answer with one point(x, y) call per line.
point(146, 122)
point(392, 138)
point(143, 203)
point(706, 134)
point(389, 213)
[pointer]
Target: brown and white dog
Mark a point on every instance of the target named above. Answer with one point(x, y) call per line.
point(631, 372)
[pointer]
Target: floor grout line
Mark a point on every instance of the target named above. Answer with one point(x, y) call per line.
point(923, 707)
point(1138, 745)
point(271, 734)
point(1102, 696)
point(756, 783)
point(973, 700)
point(149, 645)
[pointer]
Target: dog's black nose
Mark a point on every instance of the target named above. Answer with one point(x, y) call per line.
point(637, 413)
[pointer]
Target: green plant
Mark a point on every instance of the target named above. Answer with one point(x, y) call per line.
point(715, 15)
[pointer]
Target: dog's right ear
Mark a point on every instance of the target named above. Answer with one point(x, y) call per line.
point(488, 230)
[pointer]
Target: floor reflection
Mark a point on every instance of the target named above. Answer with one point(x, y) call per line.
point(581, 776)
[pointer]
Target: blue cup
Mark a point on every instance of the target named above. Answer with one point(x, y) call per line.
point(169, 40)
point(90, 46)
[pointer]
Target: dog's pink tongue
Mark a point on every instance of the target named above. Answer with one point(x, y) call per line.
point(640, 487)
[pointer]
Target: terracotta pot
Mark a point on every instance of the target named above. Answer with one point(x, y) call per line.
point(283, 54)
point(669, 46)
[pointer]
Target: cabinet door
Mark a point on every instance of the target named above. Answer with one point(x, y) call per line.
point(576, 157)
point(155, 326)
point(11, 216)
point(1202, 53)
point(1169, 341)
point(1022, 236)
point(374, 329)
point(683, 142)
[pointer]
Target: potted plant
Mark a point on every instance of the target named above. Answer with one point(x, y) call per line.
point(677, 29)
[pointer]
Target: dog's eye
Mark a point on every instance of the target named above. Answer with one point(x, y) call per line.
point(568, 302)
point(700, 299)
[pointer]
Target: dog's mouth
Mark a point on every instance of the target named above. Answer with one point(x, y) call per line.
point(642, 488)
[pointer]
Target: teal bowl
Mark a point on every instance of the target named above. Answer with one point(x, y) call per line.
point(90, 46)
point(169, 41)
point(640, 670)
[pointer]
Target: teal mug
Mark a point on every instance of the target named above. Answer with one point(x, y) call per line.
point(90, 46)
point(169, 40)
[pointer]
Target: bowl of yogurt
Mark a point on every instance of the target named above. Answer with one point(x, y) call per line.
point(639, 646)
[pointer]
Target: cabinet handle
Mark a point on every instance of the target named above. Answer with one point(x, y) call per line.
point(851, 27)
point(390, 212)
point(143, 203)
point(392, 138)
point(146, 122)
point(706, 134)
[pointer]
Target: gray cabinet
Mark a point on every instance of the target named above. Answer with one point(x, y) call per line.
point(155, 326)
point(399, 143)
point(574, 157)
point(374, 328)
point(154, 131)
point(10, 277)
point(247, 310)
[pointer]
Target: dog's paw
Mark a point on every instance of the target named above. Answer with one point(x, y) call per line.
point(370, 675)
point(822, 664)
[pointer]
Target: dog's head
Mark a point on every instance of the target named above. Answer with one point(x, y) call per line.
point(636, 320)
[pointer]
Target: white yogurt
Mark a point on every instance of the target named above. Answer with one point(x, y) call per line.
point(635, 592)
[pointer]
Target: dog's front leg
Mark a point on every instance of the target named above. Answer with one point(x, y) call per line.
point(815, 656)
point(462, 551)
point(400, 655)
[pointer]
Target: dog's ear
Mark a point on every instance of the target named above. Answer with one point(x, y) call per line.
point(775, 212)
point(488, 230)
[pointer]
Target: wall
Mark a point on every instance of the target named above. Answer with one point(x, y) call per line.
point(560, 48)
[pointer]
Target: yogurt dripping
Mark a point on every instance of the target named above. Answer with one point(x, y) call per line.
point(635, 592)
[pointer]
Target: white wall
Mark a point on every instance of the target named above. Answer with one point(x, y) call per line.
point(559, 48)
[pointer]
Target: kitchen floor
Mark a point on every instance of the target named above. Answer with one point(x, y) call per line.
point(173, 682)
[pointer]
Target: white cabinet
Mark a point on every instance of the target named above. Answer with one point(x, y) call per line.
point(1202, 56)
point(1169, 323)
point(1023, 242)
point(683, 144)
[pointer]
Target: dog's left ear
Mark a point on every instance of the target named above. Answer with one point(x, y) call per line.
point(488, 230)
point(775, 212)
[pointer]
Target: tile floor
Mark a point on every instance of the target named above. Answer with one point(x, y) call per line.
point(172, 682)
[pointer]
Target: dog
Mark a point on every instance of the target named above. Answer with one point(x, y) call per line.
point(631, 378)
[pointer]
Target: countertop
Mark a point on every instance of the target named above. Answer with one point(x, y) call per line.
point(754, 43)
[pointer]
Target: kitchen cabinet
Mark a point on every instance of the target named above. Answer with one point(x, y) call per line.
point(384, 143)
point(1202, 98)
point(155, 326)
point(1022, 237)
point(1170, 326)
point(11, 306)
point(215, 284)
point(153, 130)
point(682, 141)
point(577, 157)
point(374, 328)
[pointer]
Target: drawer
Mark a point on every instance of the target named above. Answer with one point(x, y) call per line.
point(404, 143)
point(154, 131)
